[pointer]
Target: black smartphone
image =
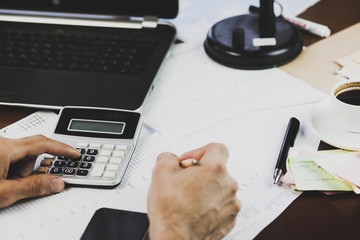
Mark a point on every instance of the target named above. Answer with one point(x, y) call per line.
point(110, 224)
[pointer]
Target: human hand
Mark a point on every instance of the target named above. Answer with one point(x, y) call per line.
point(17, 159)
point(198, 202)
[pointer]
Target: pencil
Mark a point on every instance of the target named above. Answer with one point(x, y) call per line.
point(188, 163)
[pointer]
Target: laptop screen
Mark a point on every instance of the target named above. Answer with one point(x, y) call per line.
point(159, 8)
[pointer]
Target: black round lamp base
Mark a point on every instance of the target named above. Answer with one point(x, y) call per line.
point(231, 42)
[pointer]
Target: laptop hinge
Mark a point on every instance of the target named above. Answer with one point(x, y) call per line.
point(150, 22)
point(81, 20)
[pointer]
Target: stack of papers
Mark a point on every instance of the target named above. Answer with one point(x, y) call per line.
point(328, 171)
point(350, 67)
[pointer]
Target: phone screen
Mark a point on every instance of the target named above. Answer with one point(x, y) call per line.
point(116, 224)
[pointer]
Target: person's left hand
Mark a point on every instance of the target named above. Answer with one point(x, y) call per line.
point(17, 159)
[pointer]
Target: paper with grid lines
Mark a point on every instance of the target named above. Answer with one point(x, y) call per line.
point(66, 215)
point(40, 122)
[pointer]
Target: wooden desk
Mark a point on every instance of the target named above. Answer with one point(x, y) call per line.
point(9, 115)
point(337, 15)
point(313, 215)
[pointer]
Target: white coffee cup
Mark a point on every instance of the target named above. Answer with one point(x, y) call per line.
point(345, 105)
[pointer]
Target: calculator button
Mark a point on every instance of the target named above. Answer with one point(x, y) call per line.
point(56, 170)
point(73, 164)
point(105, 153)
point(115, 160)
point(102, 159)
point(89, 158)
point(98, 170)
point(77, 159)
point(121, 147)
point(112, 167)
point(62, 158)
point(82, 144)
point(81, 150)
point(82, 172)
point(69, 171)
point(46, 163)
point(92, 151)
point(95, 145)
point(85, 165)
point(109, 146)
point(118, 154)
point(109, 174)
point(59, 163)
point(42, 170)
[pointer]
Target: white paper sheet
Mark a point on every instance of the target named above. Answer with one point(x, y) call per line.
point(193, 92)
point(40, 122)
point(253, 139)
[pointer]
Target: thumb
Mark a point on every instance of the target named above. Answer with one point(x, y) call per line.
point(34, 186)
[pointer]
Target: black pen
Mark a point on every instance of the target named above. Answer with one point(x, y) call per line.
point(289, 139)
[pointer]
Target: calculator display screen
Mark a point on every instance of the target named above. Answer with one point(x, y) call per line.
point(83, 125)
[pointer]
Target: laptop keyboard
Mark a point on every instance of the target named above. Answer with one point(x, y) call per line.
point(74, 52)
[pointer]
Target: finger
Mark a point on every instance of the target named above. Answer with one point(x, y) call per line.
point(226, 219)
point(225, 227)
point(231, 208)
point(195, 154)
point(166, 162)
point(22, 168)
point(213, 152)
point(4, 169)
point(5, 148)
point(33, 186)
point(35, 145)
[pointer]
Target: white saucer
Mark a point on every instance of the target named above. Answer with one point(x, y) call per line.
point(323, 124)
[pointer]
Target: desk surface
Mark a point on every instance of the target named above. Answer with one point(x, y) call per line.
point(313, 215)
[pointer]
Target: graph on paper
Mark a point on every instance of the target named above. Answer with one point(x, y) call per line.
point(40, 122)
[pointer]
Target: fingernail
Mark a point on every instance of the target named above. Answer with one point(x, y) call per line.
point(57, 185)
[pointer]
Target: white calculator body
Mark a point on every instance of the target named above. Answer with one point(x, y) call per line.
point(106, 139)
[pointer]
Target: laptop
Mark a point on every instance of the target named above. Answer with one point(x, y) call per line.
point(100, 53)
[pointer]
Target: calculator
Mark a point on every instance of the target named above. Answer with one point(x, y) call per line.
point(106, 139)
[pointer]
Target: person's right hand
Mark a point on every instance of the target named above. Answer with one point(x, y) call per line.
point(17, 159)
point(198, 202)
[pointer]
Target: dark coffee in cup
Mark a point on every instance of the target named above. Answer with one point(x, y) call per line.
point(351, 96)
point(345, 105)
